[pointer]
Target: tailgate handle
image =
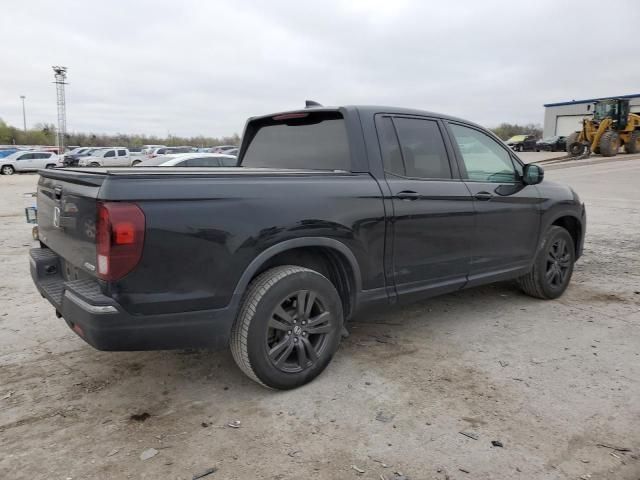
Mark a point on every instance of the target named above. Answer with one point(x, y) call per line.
point(57, 192)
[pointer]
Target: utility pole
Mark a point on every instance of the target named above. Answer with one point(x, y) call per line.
point(24, 115)
point(60, 74)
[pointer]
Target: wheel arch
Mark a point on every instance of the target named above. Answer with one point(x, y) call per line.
point(573, 225)
point(340, 265)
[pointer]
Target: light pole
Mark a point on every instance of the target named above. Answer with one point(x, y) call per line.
point(24, 115)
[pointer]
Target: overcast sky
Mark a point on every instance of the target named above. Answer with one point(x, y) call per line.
point(202, 67)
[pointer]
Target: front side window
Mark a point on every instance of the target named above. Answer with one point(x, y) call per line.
point(110, 153)
point(484, 159)
point(26, 156)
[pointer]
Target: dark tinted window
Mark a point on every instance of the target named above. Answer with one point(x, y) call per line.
point(314, 140)
point(422, 148)
point(122, 153)
point(110, 153)
point(228, 162)
point(26, 156)
point(41, 155)
point(391, 156)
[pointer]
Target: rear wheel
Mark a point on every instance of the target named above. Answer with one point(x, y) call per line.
point(288, 327)
point(609, 143)
point(50, 165)
point(135, 162)
point(552, 267)
point(633, 145)
point(94, 164)
point(7, 170)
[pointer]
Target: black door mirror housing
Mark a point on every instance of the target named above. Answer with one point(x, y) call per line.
point(532, 174)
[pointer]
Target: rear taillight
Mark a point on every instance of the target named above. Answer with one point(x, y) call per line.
point(119, 239)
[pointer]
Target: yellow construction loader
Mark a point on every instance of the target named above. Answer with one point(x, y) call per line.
point(612, 125)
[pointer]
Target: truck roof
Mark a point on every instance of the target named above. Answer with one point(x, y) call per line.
point(365, 109)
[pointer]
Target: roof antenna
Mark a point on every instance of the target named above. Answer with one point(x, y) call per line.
point(311, 103)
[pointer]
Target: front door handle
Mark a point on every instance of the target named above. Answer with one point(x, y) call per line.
point(483, 196)
point(408, 195)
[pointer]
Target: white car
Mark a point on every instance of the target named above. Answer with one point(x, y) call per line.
point(147, 149)
point(28, 161)
point(193, 160)
point(107, 157)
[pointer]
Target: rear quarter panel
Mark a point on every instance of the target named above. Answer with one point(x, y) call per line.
point(204, 232)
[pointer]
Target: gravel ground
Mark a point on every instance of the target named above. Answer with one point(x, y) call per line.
point(552, 381)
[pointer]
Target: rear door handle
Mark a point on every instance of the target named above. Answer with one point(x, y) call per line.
point(483, 196)
point(408, 195)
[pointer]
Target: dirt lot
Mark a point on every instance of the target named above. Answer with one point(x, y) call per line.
point(553, 381)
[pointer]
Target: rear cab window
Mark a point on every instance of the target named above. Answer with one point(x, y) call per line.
point(302, 140)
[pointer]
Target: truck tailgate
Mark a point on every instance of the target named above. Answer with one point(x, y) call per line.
point(67, 216)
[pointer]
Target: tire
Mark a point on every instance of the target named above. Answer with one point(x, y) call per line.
point(552, 267)
point(633, 145)
point(277, 349)
point(135, 162)
point(609, 143)
point(7, 170)
point(50, 165)
point(574, 147)
point(94, 164)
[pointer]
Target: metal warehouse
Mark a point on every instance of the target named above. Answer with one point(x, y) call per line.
point(562, 118)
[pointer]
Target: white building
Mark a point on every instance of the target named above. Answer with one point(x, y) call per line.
point(565, 117)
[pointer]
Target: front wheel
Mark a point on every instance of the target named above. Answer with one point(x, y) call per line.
point(609, 144)
point(7, 170)
point(552, 267)
point(94, 164)
point(288, 327)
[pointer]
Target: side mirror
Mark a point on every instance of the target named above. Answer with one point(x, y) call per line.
point(532, 174)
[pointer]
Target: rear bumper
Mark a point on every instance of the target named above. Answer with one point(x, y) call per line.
point(105, 325)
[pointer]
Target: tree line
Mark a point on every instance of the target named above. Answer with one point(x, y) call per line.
point(45, 134)
point(507, 130)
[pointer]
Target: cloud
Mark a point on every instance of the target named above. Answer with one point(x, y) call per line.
point(203, 67)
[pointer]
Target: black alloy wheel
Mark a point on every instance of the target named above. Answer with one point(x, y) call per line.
point(297, 332)
point(558, 263)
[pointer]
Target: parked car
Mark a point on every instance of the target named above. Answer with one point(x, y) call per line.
point(136, 155)
point(522, 143)
point(71, 159)
point(169, 151)
point(334, 210)
point(147, 149)
point(556, 143)
point(222, 148)
point(28, 161)
point(201, 160)
point(5, 152)
point(232, 151)
point(107, 157)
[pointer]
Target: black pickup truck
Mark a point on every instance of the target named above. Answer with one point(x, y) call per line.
point(329, 210)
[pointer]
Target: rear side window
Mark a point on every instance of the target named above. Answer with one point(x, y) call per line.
point(422, 148)
point(122, 153)
point(303, 140)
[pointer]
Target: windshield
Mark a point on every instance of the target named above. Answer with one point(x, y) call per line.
point(605, 109)
point(315, 140)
